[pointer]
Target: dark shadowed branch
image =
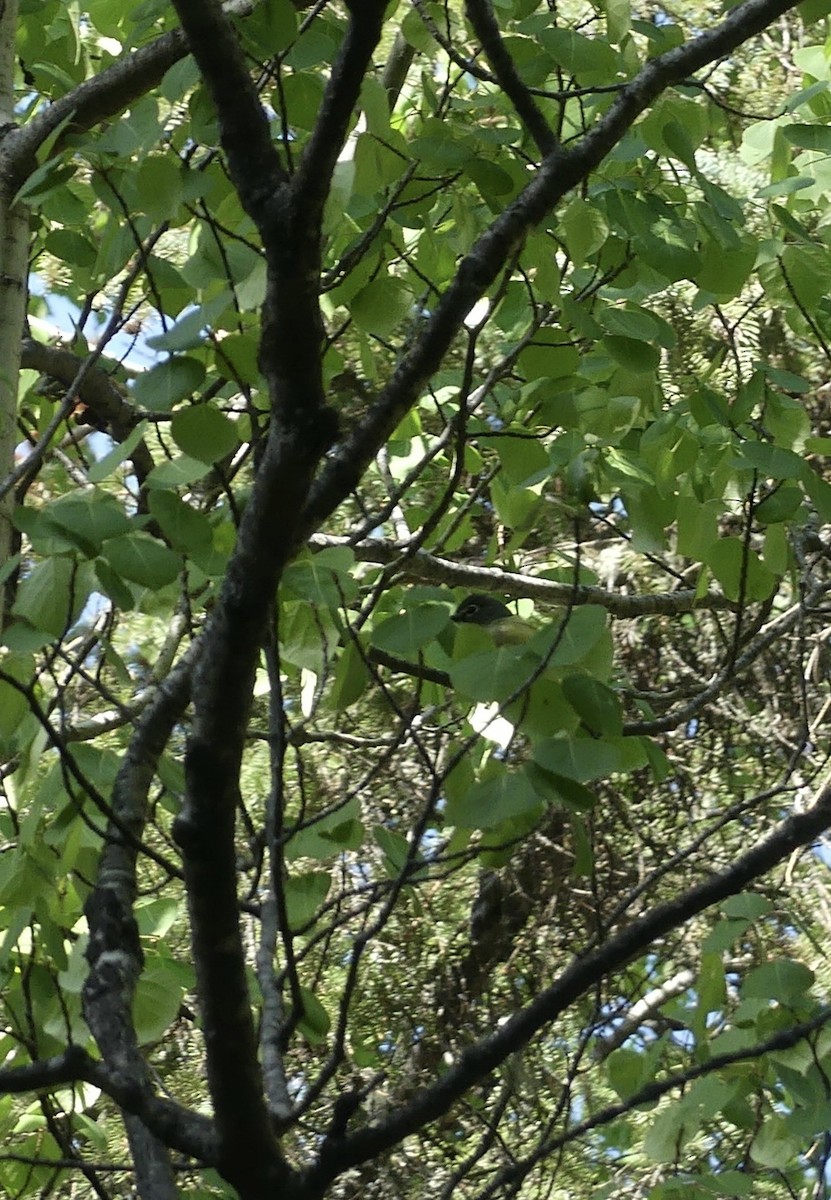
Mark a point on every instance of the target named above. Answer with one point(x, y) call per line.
point(485, 26)
point(560, 171)
point(480, 1059)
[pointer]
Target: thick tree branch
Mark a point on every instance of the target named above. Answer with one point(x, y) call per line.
point(561, 171)
point(485, 26)
point(511, 1176)
point(114, 953)
point(97, 391)
point(95, 100)
point(642, 1010)
point(310, 185)
point(205, 828)
point(301, 430)
point(431, 568)
point(188, 1132)
point(90, 102)
point(480, 1059)
point(252, 157)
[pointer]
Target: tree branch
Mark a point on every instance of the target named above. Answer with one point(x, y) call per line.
point(188, 1132)
point(642, 1010)
point(96, 99)
point(301, 429)
point(560, 171)
point(431, 568)
point(205, 827)
point(512, 1175)
point(252, 157)
point(310, 185)
point(96, 390)
point(114, 953)
point(486, 28)
point(90, 102)
point(482, 1058)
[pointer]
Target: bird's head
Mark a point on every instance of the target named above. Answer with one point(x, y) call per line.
point(479, 609)
point(504, 626)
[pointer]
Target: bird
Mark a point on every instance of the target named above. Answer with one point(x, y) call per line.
point(505, 627)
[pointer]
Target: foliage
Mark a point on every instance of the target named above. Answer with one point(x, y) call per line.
point(336, 315)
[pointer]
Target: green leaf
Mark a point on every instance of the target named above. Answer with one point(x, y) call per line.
point(574, 641)
point(121, 451)
point(381, 306)
point(270, 28)
point(159, 185)
point(630, 1070)
point(809, 137)
point(786, 981)
point(807, 272)
point(543, 710)
point(585, 229)
point(114, 586)
point(168, 383)
point(314, 1023)
point(547, 357)
point(577, 758)
point(190, 330)
point(493, 674)
point(670, 256)
point(204, 433)
point(779, 506)
point(711, 990)
point(493, 181)
point(640, 357)
point(618, 18)
point(159, 994)
point(157, 915)
point(416, 32)
point(729, 1183)
point(188, 530)
point(670, 1131)
point(143, 560)
point(71, 247)
point(178, 472)
point(51, 597)
point(13, 703)
point(489, 802)
point(746, 905)
point(773, 1146)
point(596, 704)
point(724, 270)
point(329, 835)
point(774, 461)
point(678, 142)
point(739, 569)
point(697, 526)
point(560, 790)
point(406, 633)
point(633, 322)
point(395, 848)
point(521, 460)
point(590, 58)
point(91, 517)
point(819, 491)
point(724, 934)
point(304, 895)
point(351, 678)
point(325, 578)
point(813, 10)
